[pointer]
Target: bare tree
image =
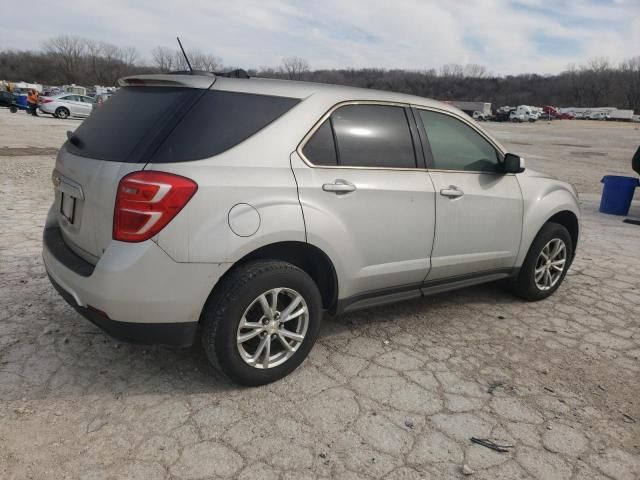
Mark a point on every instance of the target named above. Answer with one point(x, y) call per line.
point(631, 81)
point(452, 70)
point(204, 61)
point(163, 58)
point(294, 67)
point(69, 52)
point(596, 80)
point(474, 70)
point(129, 56)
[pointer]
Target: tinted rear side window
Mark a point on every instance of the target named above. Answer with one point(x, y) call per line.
point(173, 124)
point(321, 149)
point(130, 117)
point(373, 136)
point(219, 121)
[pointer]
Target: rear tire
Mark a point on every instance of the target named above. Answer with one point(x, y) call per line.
point(234, 311)
point(13, 109)
point(61, 113)
point(546, 263)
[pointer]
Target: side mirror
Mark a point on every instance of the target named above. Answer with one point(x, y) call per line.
point(513, 163)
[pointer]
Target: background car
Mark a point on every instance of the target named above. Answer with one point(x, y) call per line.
point(67, 105)
point(480, 116)
point(7, 99)
point(100, 99)
point(515, 116)
point(598, 116)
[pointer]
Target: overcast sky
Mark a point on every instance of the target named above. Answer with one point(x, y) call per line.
point(508, 36)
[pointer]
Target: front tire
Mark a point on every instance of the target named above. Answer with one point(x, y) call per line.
point(261, 322)
point(546, 263)
point(62, 113)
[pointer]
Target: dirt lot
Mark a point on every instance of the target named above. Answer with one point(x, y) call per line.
point(394, 392)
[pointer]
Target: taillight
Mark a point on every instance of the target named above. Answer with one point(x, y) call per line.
point(147, 201)
point(46, 100)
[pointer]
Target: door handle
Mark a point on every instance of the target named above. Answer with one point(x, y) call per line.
point(451, 191)
point(339, 186)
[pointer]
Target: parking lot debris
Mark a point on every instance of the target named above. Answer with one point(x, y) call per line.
point(493, 386)
point(485, 442)
point(23, 411)
point(466, 470)
point(628, 418)
point(96, 424)
point(409, 424)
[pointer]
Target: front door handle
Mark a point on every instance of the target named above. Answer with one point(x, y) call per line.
point(451, 191)
point(339, 186)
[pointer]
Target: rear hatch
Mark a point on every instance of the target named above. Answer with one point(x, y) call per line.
point(151, 119)
point(115, 140)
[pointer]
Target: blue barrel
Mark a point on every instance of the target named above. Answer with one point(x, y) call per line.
point(22, 100)
point(617, 194)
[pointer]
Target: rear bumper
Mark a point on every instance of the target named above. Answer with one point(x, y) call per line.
point(145, 296)
point(174, 334)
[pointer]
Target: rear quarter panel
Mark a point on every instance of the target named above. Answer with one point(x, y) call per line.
point(256, 172)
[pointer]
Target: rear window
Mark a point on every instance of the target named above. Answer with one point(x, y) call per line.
point(128, 120)
point(173, 124)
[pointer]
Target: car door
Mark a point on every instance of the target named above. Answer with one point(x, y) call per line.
point(86, 105)
point(72, 102)
point(364, 199)
point(478, 207)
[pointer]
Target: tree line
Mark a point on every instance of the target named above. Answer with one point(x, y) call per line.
point(597, 83)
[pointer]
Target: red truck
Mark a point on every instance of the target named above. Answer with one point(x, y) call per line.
point(553, 112)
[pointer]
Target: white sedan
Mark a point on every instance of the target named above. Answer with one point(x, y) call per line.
point(67, 105)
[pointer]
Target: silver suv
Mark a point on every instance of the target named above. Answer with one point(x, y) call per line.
point(238, 210)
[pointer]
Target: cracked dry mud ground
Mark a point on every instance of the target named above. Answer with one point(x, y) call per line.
point(394, 392)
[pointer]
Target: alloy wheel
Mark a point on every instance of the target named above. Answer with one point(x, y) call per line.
point(272, 328)
point(550, 264)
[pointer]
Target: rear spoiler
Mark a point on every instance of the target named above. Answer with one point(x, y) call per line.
point(195, 79)
point(167, 80)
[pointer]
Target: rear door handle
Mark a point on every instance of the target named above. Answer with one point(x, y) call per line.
point(339, 186)
point(451, 191)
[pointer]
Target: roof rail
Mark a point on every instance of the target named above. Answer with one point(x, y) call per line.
point(194, 72)
point(237, 73)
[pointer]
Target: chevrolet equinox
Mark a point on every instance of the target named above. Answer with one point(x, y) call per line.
point(239, 210)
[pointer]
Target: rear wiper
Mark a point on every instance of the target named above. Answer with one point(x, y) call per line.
point(74, 139)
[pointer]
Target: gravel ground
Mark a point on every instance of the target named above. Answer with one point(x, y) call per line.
point(394, 392)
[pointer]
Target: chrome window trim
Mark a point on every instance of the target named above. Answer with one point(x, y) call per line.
point(328, 113)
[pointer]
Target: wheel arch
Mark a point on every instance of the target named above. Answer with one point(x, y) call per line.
point(305, 256)
point(568, 220)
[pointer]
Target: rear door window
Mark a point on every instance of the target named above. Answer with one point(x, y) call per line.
point(321, 148)
point(373, 136)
